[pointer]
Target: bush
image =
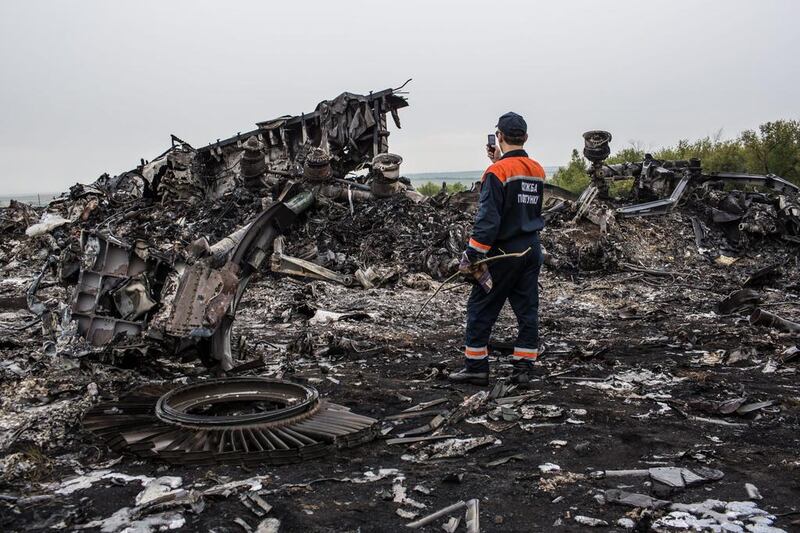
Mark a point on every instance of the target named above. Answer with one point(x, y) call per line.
point(716, 155)
point(775, 149)
point(573, 177)
point(631, 154)
point(432, 189)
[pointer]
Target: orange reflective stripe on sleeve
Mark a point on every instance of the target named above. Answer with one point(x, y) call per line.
point(482, 248)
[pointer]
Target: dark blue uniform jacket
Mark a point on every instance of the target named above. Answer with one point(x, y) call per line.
point(510, 210)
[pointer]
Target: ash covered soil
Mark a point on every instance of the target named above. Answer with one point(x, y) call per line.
point(640, 371)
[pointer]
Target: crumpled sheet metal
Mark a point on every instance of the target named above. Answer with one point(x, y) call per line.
point(108, 266)
point(172, 174)
point(351, 127)
point(748, 216)
point(133, 299)
point(286, 264)
point(17, 217)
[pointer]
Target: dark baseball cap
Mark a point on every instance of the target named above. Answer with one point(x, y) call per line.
point(512, 124)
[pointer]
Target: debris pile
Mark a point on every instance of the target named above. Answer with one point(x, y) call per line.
point(397, 234)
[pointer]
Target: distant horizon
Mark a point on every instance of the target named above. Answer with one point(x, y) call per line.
point(4, 198)
point(430, 172)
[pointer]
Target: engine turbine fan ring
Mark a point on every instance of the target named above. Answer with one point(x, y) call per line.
point(176, 405)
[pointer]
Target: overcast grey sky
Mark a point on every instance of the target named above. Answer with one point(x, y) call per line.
point(92, 86)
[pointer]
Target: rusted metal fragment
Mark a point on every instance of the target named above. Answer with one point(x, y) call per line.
point(203, 296)
point(113, 295)
point(136, 291)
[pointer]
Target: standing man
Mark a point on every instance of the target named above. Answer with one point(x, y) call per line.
point(509, 220)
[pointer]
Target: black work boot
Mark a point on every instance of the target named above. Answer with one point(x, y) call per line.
point(466, 375)
point(521, 373)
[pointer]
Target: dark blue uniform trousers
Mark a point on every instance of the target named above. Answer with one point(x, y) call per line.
point(515, 280)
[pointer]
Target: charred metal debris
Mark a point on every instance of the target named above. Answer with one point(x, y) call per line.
point(158, 258)
point(163, 253)
point(299, 251)
point(664, 183)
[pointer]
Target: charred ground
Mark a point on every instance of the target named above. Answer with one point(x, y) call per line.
point(640, 371)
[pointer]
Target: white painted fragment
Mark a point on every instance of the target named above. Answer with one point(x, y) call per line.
point(47, 223)
point(549, 467)
point(84, 482)
point(589, 521)
point(627, 523)
point(156, 488)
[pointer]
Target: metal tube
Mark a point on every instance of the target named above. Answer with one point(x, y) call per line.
point(358, 186)
point(227, 243)
point(765, 318)
point(341, 193)
point(301, 202)
point(433, 516)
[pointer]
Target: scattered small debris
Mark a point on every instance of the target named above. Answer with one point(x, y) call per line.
point(752, 492)
point(633, 500)
point(589, 521)
point(127, 282)
point(456, 447)
point(547, 468)
point(473, 516)
point(716, 515)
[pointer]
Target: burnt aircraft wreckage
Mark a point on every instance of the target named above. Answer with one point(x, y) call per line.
point(165, 252)
point(664, 183)
point(129, 289)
